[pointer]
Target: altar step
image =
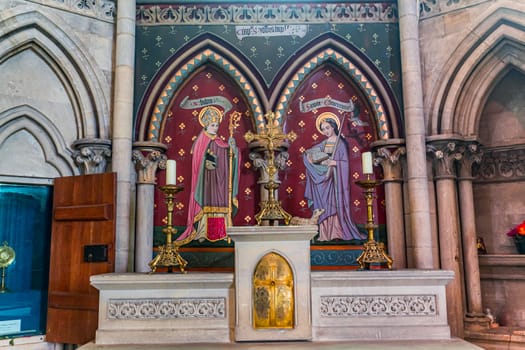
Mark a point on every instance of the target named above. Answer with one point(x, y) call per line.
point(452, 344)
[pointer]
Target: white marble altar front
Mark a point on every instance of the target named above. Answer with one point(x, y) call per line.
point(197, 307)
point(381, 305)
point(139, 308)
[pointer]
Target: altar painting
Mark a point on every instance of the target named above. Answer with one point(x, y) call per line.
point(325, 92)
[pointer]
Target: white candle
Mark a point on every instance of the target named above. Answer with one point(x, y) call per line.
point(366, 161)
point(171, 172)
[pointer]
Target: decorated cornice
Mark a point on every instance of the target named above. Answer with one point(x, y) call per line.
point(501, 164)
point(104, 10)
point(431, 8)
point(250, 14)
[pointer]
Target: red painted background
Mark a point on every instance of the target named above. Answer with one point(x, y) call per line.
point(181, 127)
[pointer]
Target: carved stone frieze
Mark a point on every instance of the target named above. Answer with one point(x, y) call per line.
point(92, 155)
point(166, 308)
point(501, 164)
point(378, 305)
point(260, 13)
point(102, 9)
point(444, 154)
point(431, 8)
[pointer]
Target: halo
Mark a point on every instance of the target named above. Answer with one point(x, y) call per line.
point(207, 112)
point(323, 117)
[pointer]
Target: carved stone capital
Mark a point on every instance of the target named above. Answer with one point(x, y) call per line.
point(390, 159)
point(92, 155)
point(472, 154)
point(444, 154)
point(148, 157)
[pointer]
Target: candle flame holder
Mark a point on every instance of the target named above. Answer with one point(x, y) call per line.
point(168, 255)
point(373, 252)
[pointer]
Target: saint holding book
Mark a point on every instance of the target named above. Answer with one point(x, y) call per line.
point(327, 182)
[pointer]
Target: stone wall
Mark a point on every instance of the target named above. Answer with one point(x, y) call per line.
point(56, 62)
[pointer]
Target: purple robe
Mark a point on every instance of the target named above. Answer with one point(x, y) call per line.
point(329, 188)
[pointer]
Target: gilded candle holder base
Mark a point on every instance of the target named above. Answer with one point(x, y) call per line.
point(168, 257)
point(373, 252)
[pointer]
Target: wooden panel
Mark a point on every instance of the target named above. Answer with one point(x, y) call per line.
point(84, 212)
point(84, 215)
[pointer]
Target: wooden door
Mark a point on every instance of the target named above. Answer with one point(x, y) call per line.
point(82, 245)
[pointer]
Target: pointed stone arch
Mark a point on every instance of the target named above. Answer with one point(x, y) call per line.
point(29, 120)
point(25, 28)
point(494, 46)
point(206, 52)
point(361, 72)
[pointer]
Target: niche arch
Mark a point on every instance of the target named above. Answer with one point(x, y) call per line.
point(175, 75)
point(357, 68)
point(86, 87)
point(39, 129)
point(495, 45)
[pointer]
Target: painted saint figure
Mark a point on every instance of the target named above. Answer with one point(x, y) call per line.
point(327, 182)
point(214, 182)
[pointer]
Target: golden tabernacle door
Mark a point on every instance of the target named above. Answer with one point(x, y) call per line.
point(273, 293)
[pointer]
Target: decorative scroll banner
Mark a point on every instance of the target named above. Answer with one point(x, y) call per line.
point(326, 102)
point(299, 30)
point(206, 101)
point(330, 102)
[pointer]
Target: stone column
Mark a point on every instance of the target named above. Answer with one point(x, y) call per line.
point(445, 153)
point(92, 155)
point(148, 157)
point(476, 319)
point(123, 127)
point(418, 199)
point(389, 158)
point(433, 214)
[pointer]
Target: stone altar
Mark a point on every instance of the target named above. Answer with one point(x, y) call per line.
point(138, 308)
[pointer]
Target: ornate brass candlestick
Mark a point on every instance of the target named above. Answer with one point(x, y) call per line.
point(169, 253)
point(270, 138)
point(7, 256)
point(373, 252)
